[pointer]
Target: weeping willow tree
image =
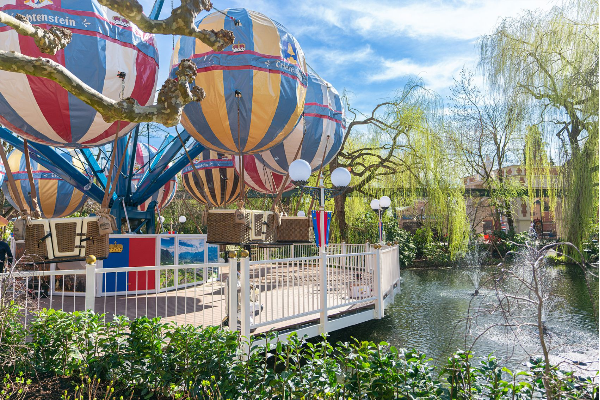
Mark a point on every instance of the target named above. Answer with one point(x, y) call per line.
point(540, 175)
point(402, 151)
point(486, 135)
point(550, 60)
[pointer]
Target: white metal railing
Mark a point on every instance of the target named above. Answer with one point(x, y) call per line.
point(190, 293)
point(265, 294)
point(299, 250)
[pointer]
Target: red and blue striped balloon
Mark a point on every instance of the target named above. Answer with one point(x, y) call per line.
point(260, 178)
point(255, 88)
point(318, 135)
point(144, 154)
point(103, 45)
point(56, 198)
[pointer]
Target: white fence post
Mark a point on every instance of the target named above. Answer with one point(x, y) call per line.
point(245, 308)
point(233, 294)
point(292, 251)
point(323, 270)
point(379, 306)
point(90, 283)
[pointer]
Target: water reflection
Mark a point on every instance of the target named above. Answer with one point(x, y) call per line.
point(431, 314)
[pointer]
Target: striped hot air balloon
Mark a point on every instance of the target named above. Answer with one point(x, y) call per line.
point(56, 197)
point(103, 45)
point(144, 155)
point(322, 126)
point(255, 88)
point(260, 178)
point(218, 184)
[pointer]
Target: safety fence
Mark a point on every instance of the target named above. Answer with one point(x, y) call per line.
point(271, 294)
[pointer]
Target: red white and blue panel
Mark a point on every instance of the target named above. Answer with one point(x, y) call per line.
point(260, 178)
point(321, 224)
point(318, 135)
point(2, 172)
point(265, 66)
point(103, 44)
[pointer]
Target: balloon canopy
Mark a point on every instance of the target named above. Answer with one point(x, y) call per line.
point(103, 44)
point(255, 88)
point(260, 178)
point(56, 198)
point(218, 184)
point(318, 135)
point(144, 154)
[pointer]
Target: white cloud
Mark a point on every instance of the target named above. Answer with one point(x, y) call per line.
point(436, 76)
point(456, 20)
point(341, 57)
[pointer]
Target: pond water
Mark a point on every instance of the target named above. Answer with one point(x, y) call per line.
point(431, 311)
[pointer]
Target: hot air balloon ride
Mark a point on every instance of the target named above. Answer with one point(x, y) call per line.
point(144, 154)
point(106, 52)
point(56, 198)
point(260, 178)
point(255, 88)
point(214, 182)
point(318, 136)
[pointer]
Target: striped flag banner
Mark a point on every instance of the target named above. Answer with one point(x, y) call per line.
point(321, 223)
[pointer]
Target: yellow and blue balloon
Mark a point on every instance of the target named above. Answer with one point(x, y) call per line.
point(255, 88)
point(56, 197)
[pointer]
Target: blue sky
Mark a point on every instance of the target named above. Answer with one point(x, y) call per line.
point(371, 48)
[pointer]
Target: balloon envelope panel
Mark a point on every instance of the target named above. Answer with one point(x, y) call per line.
point(56, 197)
point(318, 135)
point(260, 178)
point(255, 88)
point(102, 45)
point(218, 184)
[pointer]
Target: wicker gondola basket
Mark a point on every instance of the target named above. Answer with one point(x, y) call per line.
point(293, 230)
point(222, 227)
point(64, 239)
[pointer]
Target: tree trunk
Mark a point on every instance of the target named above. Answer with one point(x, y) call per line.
point(340, 215)
point(509, 216)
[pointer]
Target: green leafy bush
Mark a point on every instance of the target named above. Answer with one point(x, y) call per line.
point(406, 247)
point(148, 359)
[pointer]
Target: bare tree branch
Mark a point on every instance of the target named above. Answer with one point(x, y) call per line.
point(172, 97)
point(180, 22)
point(49, 41)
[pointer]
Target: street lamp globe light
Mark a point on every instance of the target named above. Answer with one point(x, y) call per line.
point(182, 219)
point(385, 202)
point(375, 205)
point(300, 171)
point(340, 177)
point(301, 213)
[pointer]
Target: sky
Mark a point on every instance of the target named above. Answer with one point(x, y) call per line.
point(370, 49)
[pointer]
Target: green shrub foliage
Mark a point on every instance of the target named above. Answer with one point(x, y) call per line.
point(148, 359)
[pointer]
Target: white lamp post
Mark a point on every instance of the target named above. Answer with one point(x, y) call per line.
point(182, 220)
point(299, 173)
point(379, 206)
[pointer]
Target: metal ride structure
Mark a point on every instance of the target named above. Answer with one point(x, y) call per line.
point(256, 119)
point(92, 181)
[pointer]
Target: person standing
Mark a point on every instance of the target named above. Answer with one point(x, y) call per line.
point(5, 255)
